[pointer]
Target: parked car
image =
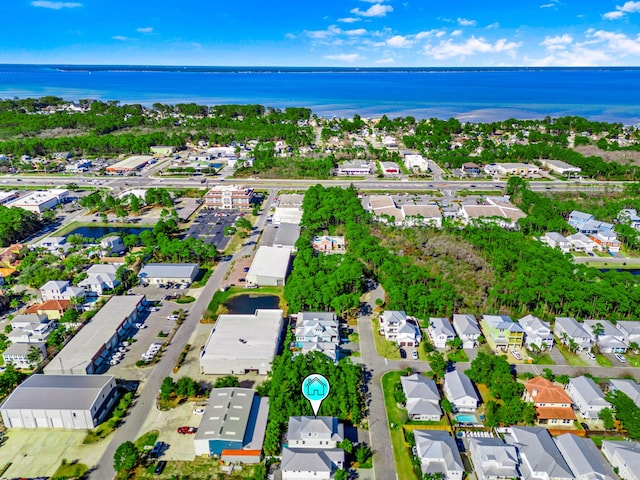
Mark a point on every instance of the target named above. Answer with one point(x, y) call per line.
point(516, 355)
point(246, 269)
point(160, 467)
point(415, 355)
point(156, 450)
point(140, 325)
point(591, 356)
point(620, 358)
point(403, 353)
point(186, 430)
point(198, 411)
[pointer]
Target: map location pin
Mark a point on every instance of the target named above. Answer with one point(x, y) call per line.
point(315, 388)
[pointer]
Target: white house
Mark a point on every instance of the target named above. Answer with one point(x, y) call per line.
point(493, 459)
point(630, 388)
point(569, 331)
point(607, 337)
point(440, 331)
point(625, 456)
point(423, 399)
point(21, 354)
point(460, 391)
point(556, 240)
point(30, 328)
point(397, 327)
point(584, 459)
point(587, 396)
point(314, 432)
point(539, 455)
point(467, 328)
point(438, 453)
point(112, 245)
point(630, 330)
point(581, 243)
point(100, 278)
point(60, 290)
point(536, 332)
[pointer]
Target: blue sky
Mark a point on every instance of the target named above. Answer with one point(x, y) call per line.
point(327, 33)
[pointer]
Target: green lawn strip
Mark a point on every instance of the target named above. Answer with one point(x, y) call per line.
point(70, 470)
point(397, 417)
point(597, 439)
point(544, 359)
point(603, 361)
point(572, 359)
point(384, 347)
point(148, 439)
point(459, 356)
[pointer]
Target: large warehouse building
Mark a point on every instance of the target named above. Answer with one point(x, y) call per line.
point(130, 164)
point(240, 343)
point(270, 266)
point(91, 348)
point(60, 401)
point(233, 425)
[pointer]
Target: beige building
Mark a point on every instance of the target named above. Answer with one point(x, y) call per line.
point(229, 196)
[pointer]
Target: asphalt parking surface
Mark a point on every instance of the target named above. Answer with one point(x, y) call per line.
point(209, 226)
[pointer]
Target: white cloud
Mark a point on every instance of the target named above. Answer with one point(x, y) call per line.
point(547, 5)
point(621, 11)
point(356, 32)
point(429, 33)
point(398, 41)
point(385, 61)
point(376, 10)
point(290, 36)
point(472, 46)
point(456, 33)
point(493, 25)
point(345, 57)
point(55, 5)
point(557, 42)
point(465, 22)
point(320, 34)
point(144, 29)
point(120, 38)
point(618, 43)
point(349, 20)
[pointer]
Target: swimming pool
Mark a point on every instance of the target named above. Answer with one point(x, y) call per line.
point(466, 418)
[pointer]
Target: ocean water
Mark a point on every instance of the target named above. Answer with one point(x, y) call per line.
point(473, 94)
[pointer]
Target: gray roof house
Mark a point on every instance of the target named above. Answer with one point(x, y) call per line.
point(60, 290)
point(587, 396)
point(312, 448)
point(112, 245)
point(19, 354)
point(60, 401)
point(625, 456)
point(493, 459)
point(100, 278)
point(317, 327)
point(30, 327)
point(466, 326)
point(611, 340)
point(584, 459)
point(460, 392)
point(423, 399)
point(440, 331)
point(397, 327)
point(539, 455)
point(568, 330)
point(438, 453)
point(628, 387)
point(536, 332)
point(630, 329)
point(157, 273)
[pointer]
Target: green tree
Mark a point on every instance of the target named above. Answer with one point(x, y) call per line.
point(607, 418)
point(341, 474)
point(167, 388)
point(125, 457)
point(346, 445)
point(226, 381)
point(363, 453)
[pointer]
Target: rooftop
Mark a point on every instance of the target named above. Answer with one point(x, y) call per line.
point(270, 262)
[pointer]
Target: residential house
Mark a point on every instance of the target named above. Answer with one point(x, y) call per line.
point(22, 355)
point(630, 330)
point(572, 333)
point(319, 332)
point(501, 332)
point(537, 334)
point(397, 327)
point(607, 337)
point(100, 278)
point(5, 273)
point(580, 220)
point(625, 456)
point(423, 399)
point(329, 349)
point(587, 397)
point(438, 453)
point(630, 217)
point(440, 331)
point(30, 328)
point(552, 403)
point(460, 391)
point(556, 240)
point(55, 245)
point(581, 243)
point(311, 450)
point(602, 233)
point(540, 458)
point(54, 309)
point(466, 326)
point(328, 244)
point(493, 459)
point(61, 290)
point(112, 245)
point(629, 387)
point(584, 459)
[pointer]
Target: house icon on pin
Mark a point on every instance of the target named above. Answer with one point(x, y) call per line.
point(315, 387)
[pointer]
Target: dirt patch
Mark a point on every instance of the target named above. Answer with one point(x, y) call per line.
point(624, 157)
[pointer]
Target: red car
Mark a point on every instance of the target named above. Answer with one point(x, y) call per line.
point(186, 430)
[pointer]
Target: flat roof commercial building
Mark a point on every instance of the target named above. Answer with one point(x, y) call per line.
point(240, 343)
point(89, 350)
point(130, 164)
point(229, 196)
point(60, 401)
point(270, 266)
point(286, 236)
point(38, 202)
point(233, 425)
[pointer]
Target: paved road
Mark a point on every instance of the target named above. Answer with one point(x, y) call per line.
point(146, 399)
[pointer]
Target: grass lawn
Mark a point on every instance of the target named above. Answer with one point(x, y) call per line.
point(572, 359)
point(148, 439)
point(70, 470)
point(633, 359)
point(459, 356)
point(397, 417)
point(201, 468)
point(544, 359)
point(384, 347)
point(603, 361)
point(597, 439)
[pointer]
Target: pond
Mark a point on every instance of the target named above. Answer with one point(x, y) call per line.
point(248, 303)
point(99, 232)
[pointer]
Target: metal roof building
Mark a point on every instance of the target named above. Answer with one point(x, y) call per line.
point(286, 236)
point(89, 350)
point(239, 343)
point(235, 421)
point(270, 266)
point(130, 164)
point(60, 401)
point(157, 273)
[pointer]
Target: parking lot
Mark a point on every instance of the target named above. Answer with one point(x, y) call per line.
point(208, 225)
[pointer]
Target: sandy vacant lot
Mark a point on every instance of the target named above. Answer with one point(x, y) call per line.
point(624, 157)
